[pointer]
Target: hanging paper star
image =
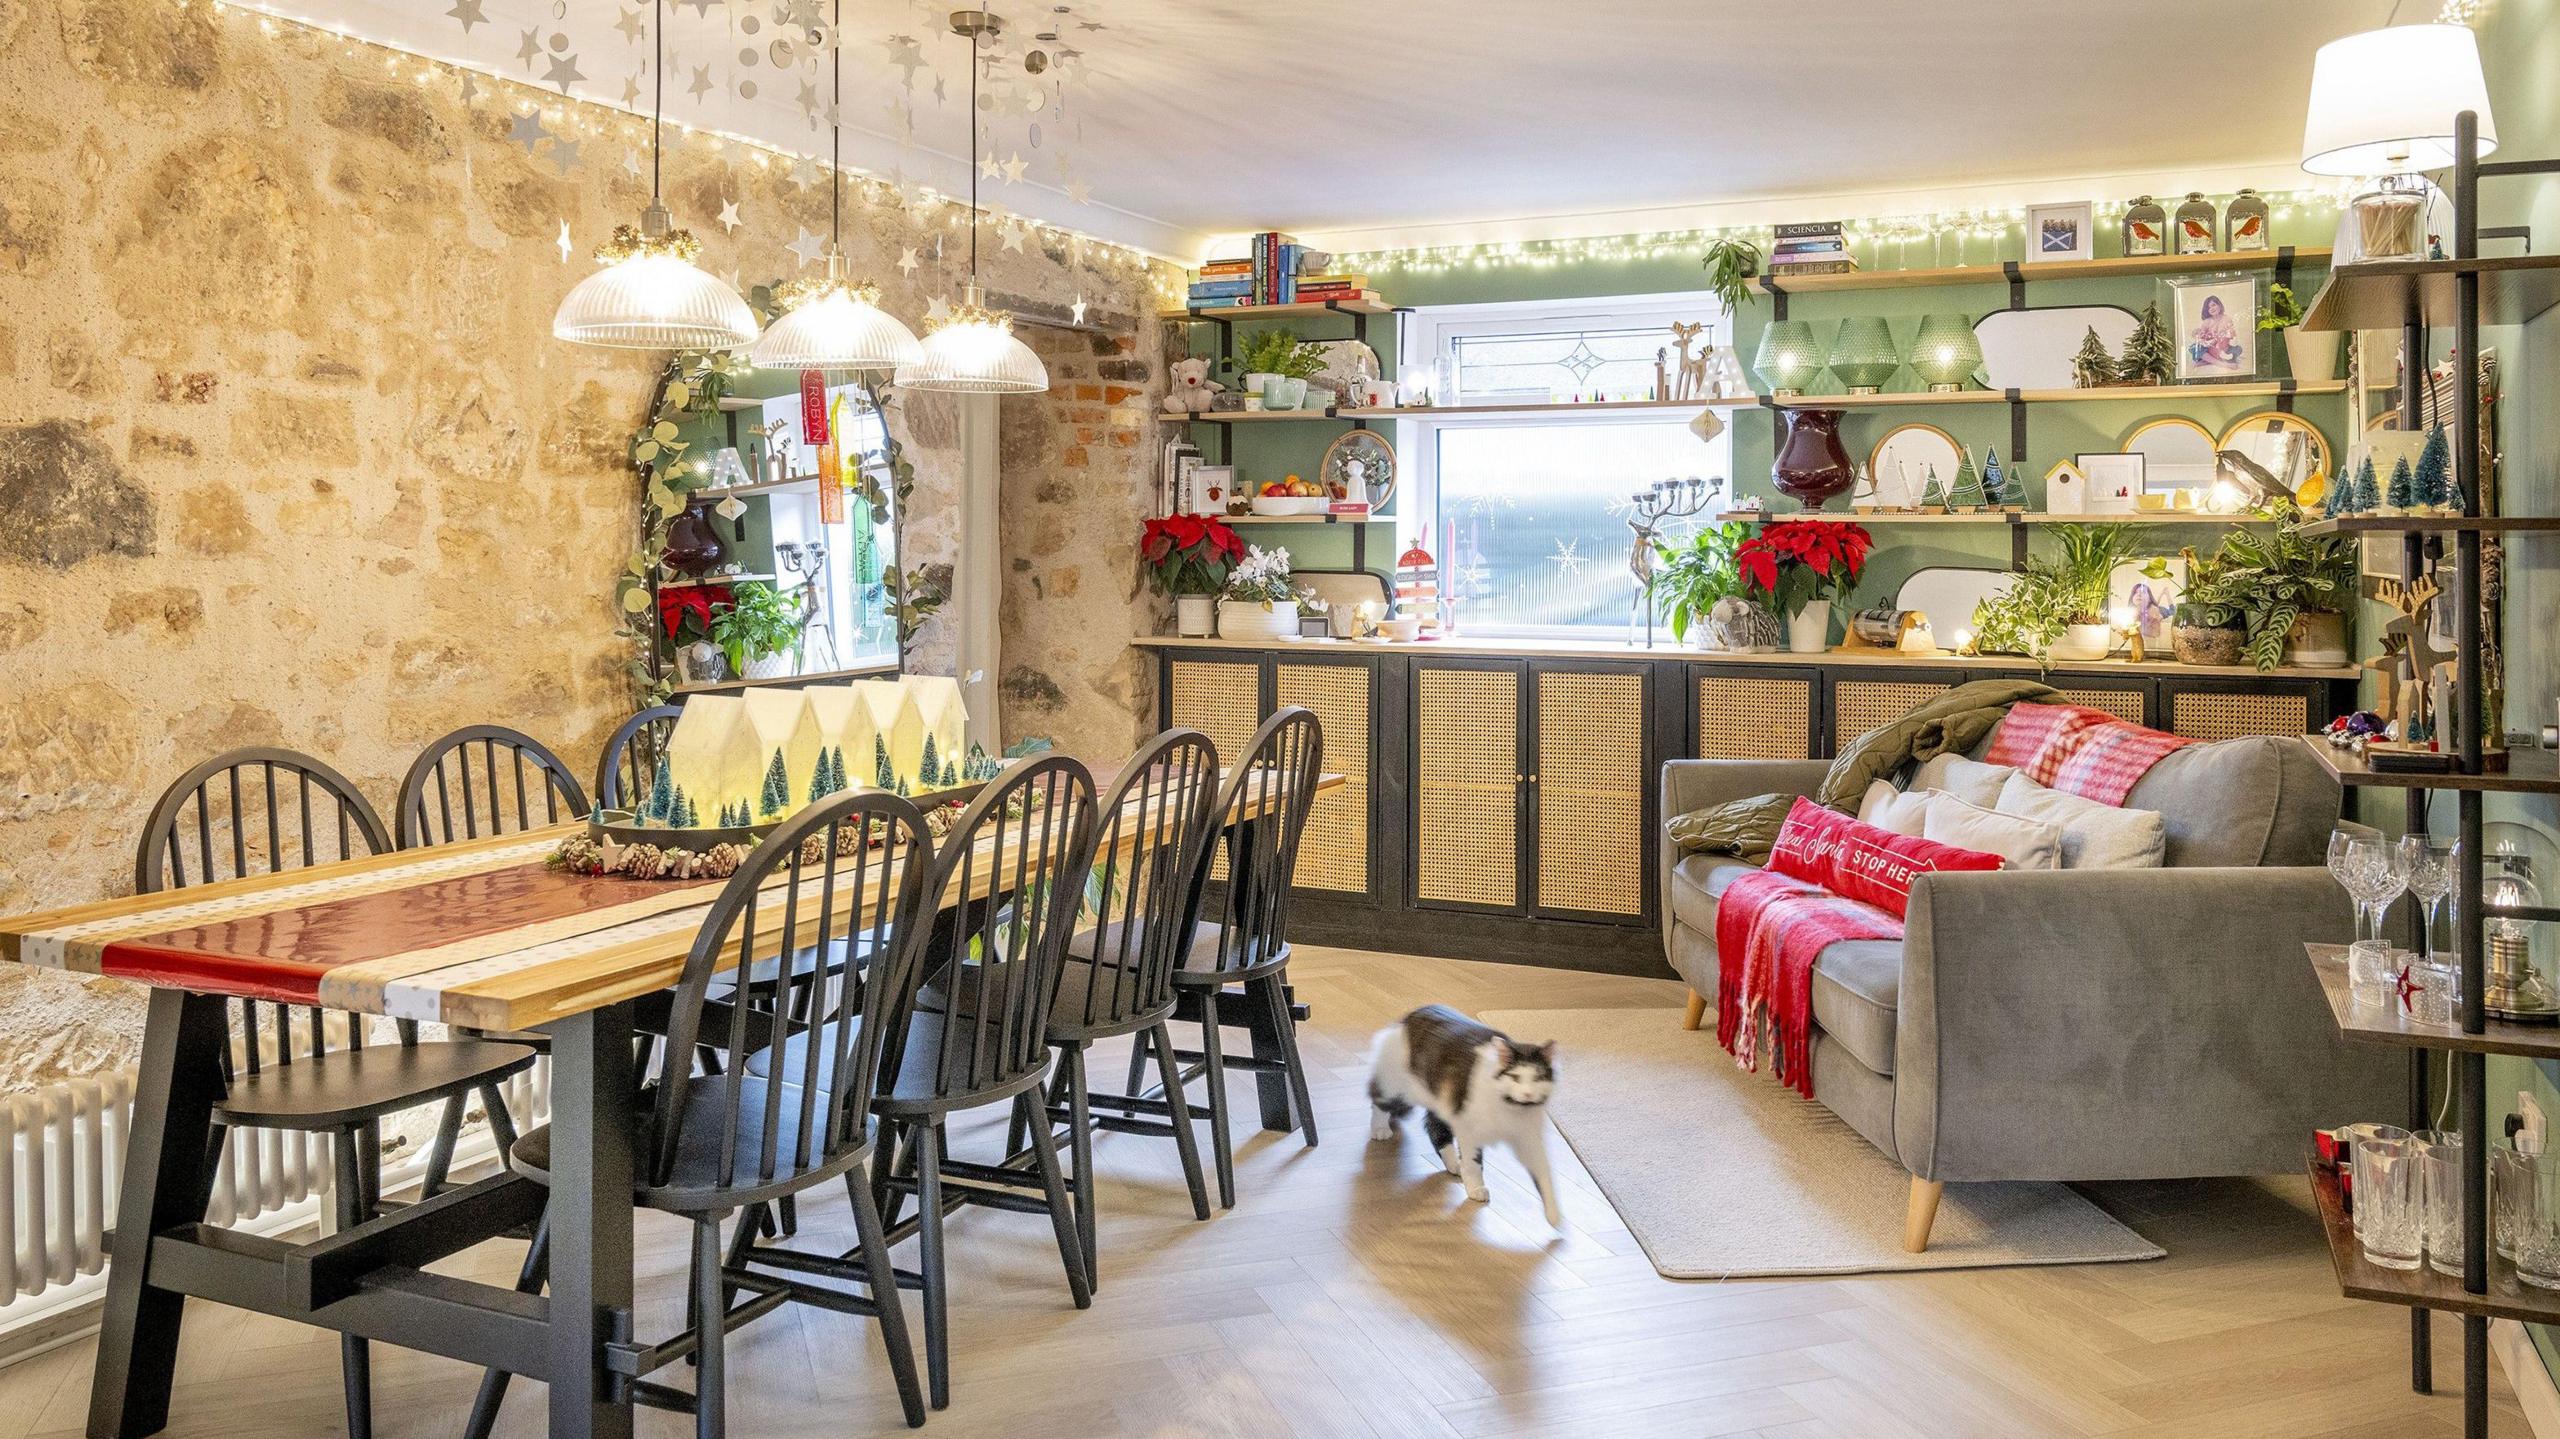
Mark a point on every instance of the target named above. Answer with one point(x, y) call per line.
point(1013, 229)
point(1079, 192)
point(468, 12)
point(633, 28)
point(937, 89)
point(809, 100)
point(811, 248)
point(564, 242)
point(470, 87)
point(701, 85)
point(531, 47)
point(907, 55)
point(728, 213)
point(700, 7)
point(564, 153)
point(631, 163)
point(1566, 557)
point(631, 88)
point(1014, 168)
point(806, 172)
point(526, 130)
point(937, 310)
point(907, 261)
point(988, 169)
point(561, 70)
point(1078, 308)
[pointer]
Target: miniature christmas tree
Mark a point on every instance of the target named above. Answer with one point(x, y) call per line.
point(684, 816)
point(2398, 497)
point(1966, 492)
point(1995, 486)
point(931, 769)
point(2368, 495)
point(662, 798)
point(818, 779)
point(777, 787)
point(888, 773)
point(2148, 351)
point(2334, 499)
point(950, 773)
point(978, 767)
point(1933, 492)
point(835, 770)
point(2433, 486)
point(903, 791)
point(2093, 366)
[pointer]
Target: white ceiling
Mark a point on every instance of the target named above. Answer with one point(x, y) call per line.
point(1404, 121)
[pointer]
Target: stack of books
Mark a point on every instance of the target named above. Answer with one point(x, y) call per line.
point(1278, 271)
point(1815, 249)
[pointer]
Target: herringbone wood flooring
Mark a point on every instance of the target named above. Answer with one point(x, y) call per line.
point(1352, 1292)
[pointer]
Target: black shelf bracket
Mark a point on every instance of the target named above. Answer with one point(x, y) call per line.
point(1777, 297)
point(2288, 397)
point(2017, 284)
point(2017, 429)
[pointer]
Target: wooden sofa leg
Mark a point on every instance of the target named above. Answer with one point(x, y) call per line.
point(1922, 1214)
point(1697, 1011)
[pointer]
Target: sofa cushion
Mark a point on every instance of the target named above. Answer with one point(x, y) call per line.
point(1903, 811)
point(1697, 882)
point(1972, 781)
point(1856, 986)
point(2261, 800)
point(2094, 835)
point(2020, 842)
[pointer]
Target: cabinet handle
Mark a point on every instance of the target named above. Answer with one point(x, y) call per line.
point(1533, 778)
point(1519, 779)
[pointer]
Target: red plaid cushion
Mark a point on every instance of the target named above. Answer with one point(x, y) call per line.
point(2033, 731)
point(2077, 750)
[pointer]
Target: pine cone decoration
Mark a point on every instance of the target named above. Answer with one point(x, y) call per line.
point(578, 855)
point(644, 861)
point(722, 860)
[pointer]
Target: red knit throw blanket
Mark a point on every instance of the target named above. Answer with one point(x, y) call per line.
point(1770, 927)
point(2087, 752)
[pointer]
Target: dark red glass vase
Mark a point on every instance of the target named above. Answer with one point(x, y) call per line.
point(693, 545)
point(1812, 465)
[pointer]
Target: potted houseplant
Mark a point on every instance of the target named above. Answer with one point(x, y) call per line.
point(1277, 367)
point(2310, 354)
point(756, 630)
point(1802, 565)
point(2207, 626)
point(1730, 263)
point(1258, 603)
point(2028, 616)
point(2090, 554)
point(1687, 581)
point(1189, 558)
point(2294, 590)
point(685, 611)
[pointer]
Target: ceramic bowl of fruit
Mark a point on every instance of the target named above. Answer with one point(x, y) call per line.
point(1292, 496)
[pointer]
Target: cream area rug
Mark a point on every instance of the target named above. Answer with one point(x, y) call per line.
point(1726, 1174)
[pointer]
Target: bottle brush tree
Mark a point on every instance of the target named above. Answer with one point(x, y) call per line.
point(2148, 351)
point(2398, 497)
point(2093, 366)
point(777, 787)
point(2433, 485)
point(887, 773)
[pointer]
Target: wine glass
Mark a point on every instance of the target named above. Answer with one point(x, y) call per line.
point(2428, 863)
point(2382, 880)
point(2343, 862)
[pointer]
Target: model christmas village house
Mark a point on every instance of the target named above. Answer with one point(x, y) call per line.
point(738, 761)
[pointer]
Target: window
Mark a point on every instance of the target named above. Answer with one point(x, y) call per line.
point(1527, 512)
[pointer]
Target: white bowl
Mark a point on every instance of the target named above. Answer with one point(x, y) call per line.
point(1290, 504)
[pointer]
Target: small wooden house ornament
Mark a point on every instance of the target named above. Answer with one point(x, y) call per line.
point(2066, 489)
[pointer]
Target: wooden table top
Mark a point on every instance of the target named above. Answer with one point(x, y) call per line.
point(482, 933)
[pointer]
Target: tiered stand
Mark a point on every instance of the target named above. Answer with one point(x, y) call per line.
point(2418, 296)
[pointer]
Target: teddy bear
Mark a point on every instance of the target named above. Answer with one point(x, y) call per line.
point(1193, 391)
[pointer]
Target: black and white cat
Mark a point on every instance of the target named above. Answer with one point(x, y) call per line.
point(1475, 1085)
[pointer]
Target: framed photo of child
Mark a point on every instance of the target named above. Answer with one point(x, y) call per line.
point(2215, 328)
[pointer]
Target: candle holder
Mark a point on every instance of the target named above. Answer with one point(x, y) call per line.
point(1788, 358)
point(1649, 510)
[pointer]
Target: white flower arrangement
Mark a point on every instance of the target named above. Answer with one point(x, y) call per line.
point(1261, 576)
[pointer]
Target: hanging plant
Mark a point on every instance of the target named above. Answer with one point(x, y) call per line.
point(1730, 262)
point(690, 387)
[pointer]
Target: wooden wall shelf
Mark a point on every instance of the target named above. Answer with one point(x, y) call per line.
point(2378, 294)
point(2430, 524)
point(2371, 1024)
point(2040, 270)
point(1282, 312)
point(2529, 771)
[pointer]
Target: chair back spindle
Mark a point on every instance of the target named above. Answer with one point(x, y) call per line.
point(633, 754)
point(1276, 781)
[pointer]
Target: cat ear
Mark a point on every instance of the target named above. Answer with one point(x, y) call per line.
point(1504, 1052)
point(1544, 1053)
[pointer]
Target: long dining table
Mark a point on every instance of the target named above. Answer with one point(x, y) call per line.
point(483, 934)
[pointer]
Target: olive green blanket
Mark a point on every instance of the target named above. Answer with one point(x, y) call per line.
point(1954, 722)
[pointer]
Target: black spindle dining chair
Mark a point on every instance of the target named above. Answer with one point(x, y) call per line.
point(267, 811)
point(790, 1108)
point(1247, 943)
point(632, 756)
point(1118, 977)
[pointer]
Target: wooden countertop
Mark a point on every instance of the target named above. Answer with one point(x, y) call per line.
point(1618, 650)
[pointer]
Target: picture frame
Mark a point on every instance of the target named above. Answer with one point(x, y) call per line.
point(2062, 232)
point(2115, 482)
point(2152, 597)
point(2214, 328)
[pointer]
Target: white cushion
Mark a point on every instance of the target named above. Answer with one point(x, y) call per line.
point(1972, 781)
point(2020, 843)
point(2094, 835)
point(1887, 808)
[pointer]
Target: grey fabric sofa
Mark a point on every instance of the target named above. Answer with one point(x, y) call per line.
point(2081, 1024)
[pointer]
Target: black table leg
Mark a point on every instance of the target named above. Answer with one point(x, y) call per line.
point(593, 1090)
point(168, 1177)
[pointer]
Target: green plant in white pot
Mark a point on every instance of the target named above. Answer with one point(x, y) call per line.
point(1259, 603)
point(1277, 366)
point(758, 630)
point(2083, 570)
point(1687, 581)
point(2312, 355)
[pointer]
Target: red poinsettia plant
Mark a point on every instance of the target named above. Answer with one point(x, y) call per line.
point(1796, 562)
point(1189, 554)
point(686, 611)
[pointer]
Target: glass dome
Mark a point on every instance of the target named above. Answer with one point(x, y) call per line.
point(649, 296)
point(974, 353)
point(835, 325)
point(1946, 352)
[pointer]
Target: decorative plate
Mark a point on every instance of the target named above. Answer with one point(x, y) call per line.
point(1361, 463)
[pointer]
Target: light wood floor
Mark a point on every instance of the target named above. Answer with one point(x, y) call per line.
point(1352, 1292)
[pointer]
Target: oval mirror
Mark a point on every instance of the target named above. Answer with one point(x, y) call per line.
point(2285, 445)
point(2033, 349)
point(1898, 468)
point(2177, 454)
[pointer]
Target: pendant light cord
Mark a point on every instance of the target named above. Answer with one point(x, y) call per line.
point(658, 114)
point(973, 152)
point(835, 140)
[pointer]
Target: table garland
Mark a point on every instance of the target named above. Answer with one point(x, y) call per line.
point(587, 854)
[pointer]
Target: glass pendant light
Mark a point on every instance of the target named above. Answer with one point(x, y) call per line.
point(835, 324)
point(649, 296)
point(972, 351)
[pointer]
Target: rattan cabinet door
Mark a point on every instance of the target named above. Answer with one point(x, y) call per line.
point(1334, 852)
point(1467, 784)
point(1220, 698)
point(1587, 778)
point(1746, 715)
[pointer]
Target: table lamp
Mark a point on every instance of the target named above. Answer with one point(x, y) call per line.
point(1864, 355)
point(1788, 358)
point(1946, 352)
point(2383, 103)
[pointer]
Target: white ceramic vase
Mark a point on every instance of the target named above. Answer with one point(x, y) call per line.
point(1809, 629)
point(2082, 642)
point(1194, 615)
point(1248, 620)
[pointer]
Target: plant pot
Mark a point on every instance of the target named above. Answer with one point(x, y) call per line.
point(1279, 392)
point(2318, 637)
point(1194, 615)
point(701, 663)
point(2207, 644)
point(1248, 620)
point(768, 667)
point(2312, 354)
point(1253, 383)
point(1812, 466)
point(1809, 629)
point(2081, 643)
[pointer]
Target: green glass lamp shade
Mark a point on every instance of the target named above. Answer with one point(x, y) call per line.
point(1788, 358)
point(1946, 352)
point(1864, 355)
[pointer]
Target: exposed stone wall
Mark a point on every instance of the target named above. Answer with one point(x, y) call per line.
point(290, 456)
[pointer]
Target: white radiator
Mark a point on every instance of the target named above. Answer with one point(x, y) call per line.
point(62, 1161)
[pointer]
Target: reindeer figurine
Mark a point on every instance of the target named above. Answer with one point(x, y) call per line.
point(1692, 374)
point(2417, 651)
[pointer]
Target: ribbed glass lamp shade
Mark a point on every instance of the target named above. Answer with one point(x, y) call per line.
point(1946, 352)
point(1863, 355)
point(974, 353)
point(1788, 358)
point(838, 325)
point(649, 296)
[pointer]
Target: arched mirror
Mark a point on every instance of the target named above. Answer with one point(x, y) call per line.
point(2283, 444)
point(2177, 454)
point(1901, 463)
